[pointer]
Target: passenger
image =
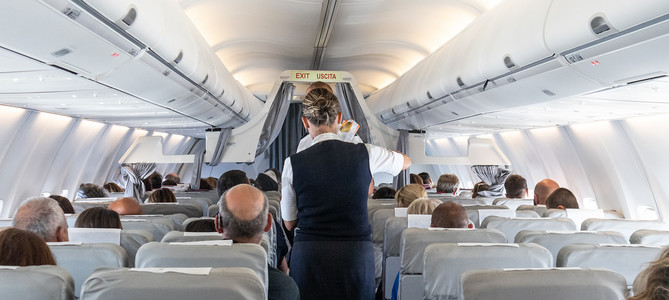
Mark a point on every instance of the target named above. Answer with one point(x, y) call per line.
point(384, 193)
point(156, 180)
point(64, 203)
point(126, 206)
point(324, 196)
point(230, 179)
point(98, 217)
point(275, 174)
point(413, 178)
point(147, 184)
point(212, 181)
point(543, 189)
point(479, 187)
point(169, 182)
point(448, 184)
point(202, 225)
point(427, 181)
point(243, 217)
point(23, 248)
point(266, 183)
point(653, 282)
point(174, 177)
point(516, 187)
point(423, 206)
point(91, 190)
point(450, 215)
point(409, 193)
point(561, 198)
point(112, 187)
point(162, 195)
point(44, 217)
point(204, 185)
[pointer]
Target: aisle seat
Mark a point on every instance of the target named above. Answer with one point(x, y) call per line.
point(555, 240)
point(626, 227)
point(172, 208)
point(36, 283)
point(511, 226)
point(650, 237)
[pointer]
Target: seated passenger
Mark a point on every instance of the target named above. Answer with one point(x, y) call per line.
point(275, 174)
point(156, 180)
point(98, 217)
point(543, 189)
point(204, 185)
point(126, 206)
point(423, 206)
point(112, 187)
point(384, 193)
point(230, 179)
point(653, 282)
point(266, 183)
point(162, 195)
point(174, 177)
point(427, 181)
point(168, 182)
point(212, 182)
point(414, 178)
point(450, 215)
point(64, 203)
point(561, 198)
point(44, 217)
point(409, 193)
point(91, 190)
point(203, 225)
point(243, 217)
point(147, 184)
point(23, 248)
point(448, 184)
point(479, 187)
point(516, 187)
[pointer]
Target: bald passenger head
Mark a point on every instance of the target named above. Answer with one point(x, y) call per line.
point(450, 215)
point(126, 206)
point(318, 85)
point(543, 189)
point(243, 214)
point(562, 198)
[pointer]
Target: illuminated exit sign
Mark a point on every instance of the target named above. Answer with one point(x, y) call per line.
point(311, 76)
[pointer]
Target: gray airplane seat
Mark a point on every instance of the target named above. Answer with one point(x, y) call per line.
point(511, 226)
point(216, 254)
point(212, 195)
point(157, 227)
point(374, 205)
point(445, 263)
point(392, 234)
point(170, 208)
point(180, 236)
point(626, 227)
point(36, 283)
point(132, 240)
point(479, 214)
point(513, 203)
point(202, 203)
point(412, 247)
point(650, 237)
point(277, 206)
point(539, 209)
point(79, 205)
point(378, 226)
point(273, 194)
point(191, 283)
point(555, 240)
point(468, 201)
point(213, 209)
point(544, 284)
point(187, 221)
point(626, 260)
point(80, 260)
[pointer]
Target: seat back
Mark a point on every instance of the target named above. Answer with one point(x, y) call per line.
point(277, 209)
point(650, 237)
point(544, 284)
point(445, 263)
point(212, 195)
point(157, 228)
point(169, 209)
point(555, 240)
point(80, 260)
point(392, 234)
point(539, 209)
point(511, 226)
point(202, 203)
point(627, 260)
point(626, 227)
point(379, 224)
point(180, 236)
point(36, 283)
point(132, 240)
point(513, 203)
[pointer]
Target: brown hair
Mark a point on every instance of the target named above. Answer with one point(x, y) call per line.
point(320, 107)
point(409, 193)
point(112, 187)
point(20, 247)
point(414, 178)
point(422, 206)
point(479, 187)
point(449, 215)
point(162, 195)
point(562, 196)
point(653, 282)
point(515, 186)
point(98, 217)
point(64, 203)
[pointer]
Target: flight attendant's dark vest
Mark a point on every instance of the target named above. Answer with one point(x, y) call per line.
point(331, 180)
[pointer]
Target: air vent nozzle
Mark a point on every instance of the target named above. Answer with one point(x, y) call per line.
point(508, 62)
point(460, 82)
point(179, 57)
point(130, 17)
point(206, 77)
point(599, 25)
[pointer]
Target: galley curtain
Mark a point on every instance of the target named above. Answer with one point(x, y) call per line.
point(402, 178)
point(286, 142)
point(494, 176)
point(350, 109)
point(132, 175)
point(275, 116)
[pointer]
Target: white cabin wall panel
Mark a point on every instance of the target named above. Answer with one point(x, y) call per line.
point(524, 158)
point(147, 27)
point(111, 143)
point(450, 147)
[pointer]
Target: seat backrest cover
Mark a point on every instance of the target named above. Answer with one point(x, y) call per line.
point(650, 237)
point(555, 240)
point(626, 227)
point(36, 283)
point(511, 226)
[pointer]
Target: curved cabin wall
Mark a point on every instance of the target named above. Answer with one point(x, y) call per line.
point(42, 152)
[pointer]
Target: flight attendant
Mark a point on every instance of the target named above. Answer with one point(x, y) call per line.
point(324, 198)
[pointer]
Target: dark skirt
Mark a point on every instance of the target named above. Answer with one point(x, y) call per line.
point(333, 269)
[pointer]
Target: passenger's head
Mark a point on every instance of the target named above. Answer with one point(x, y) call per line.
point(212, 181)
point(204, 185)
point(230, 179)
point(156, 180)
point(414, 178)
point(561, 198)
point(318, 85)
point(274, 173)
point(243, 214)
point(44, 217)
point(64, 203)
point(543, 189)
point(479, 187)
point(422, 206)
point(409, 193)
point(147, 184)
point(126, 206)
point(112, 187)
point(98, 217)
point(320, 107)
point(169, 182)
point(174, 177)
point(23, 248)
point(91, 190)
point(162, 195)
point(653, 282)
point(425, 177)
point(266, 183)
point(516, 187)
point(450, 215)
point(448, 183)
point(384, 193)
point(203, 225)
